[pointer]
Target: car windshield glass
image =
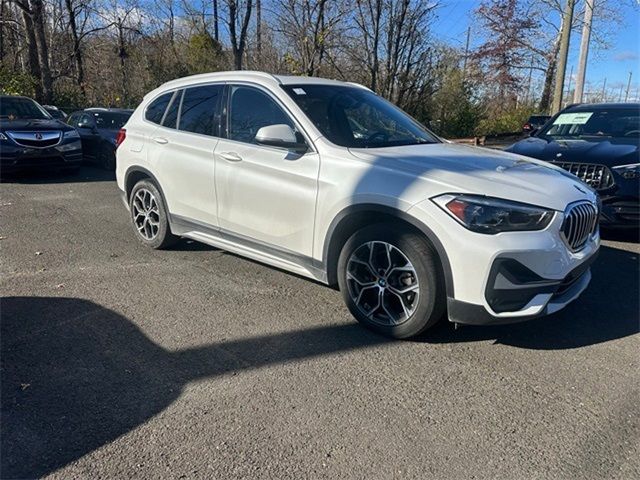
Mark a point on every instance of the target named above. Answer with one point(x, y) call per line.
point(538, 119)
point(110, 120)
point(357, 118)
point(596, 124)
point(16, 108)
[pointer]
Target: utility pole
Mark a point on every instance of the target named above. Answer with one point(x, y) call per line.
point(584, 50)
point(466, 54)
point(626, 96)
point(565, 34)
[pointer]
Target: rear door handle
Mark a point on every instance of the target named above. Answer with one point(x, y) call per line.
point(160, 140)
point(231, 156)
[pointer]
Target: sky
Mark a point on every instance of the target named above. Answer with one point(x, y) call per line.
point(614, 64)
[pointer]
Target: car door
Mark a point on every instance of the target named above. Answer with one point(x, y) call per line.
point(182, 149)
point(265, 194)
point(89, 136)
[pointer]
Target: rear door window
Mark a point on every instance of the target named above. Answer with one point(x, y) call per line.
point(171, 118)
point(155, 110)
point(200, 112)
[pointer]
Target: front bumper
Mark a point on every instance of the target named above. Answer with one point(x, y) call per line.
point(620, 211)
point(14, 158)
point(511, 276)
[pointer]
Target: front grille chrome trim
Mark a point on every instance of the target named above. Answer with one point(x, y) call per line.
point(597, 176)
point(579, 225)
point(36, 139)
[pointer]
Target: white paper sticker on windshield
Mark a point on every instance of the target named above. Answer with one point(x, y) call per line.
point(573, 118)
point(299, 91)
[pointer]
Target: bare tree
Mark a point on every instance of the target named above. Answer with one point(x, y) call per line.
point(239, 15)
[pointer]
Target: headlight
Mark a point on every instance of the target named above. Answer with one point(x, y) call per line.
point(628, 171)
point(494, 215)
point(71, 134)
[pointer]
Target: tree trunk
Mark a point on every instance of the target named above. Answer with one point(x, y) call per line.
point(545, 100)
point(37, 9)
point(216, 34)
point(77, 48)
point(32, 53)
point(259, 26)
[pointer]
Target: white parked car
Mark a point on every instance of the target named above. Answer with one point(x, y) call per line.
point(330, 181)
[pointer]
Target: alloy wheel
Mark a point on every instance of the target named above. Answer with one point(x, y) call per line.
point(146, 214)
point(382, 283)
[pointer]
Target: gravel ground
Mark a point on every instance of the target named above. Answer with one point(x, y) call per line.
point(118, 361)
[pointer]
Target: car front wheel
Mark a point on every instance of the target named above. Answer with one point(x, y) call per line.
point(390, 279)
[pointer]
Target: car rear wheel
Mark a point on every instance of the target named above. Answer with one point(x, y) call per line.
point(107, 160)
point(390, 279)
point(149, 216)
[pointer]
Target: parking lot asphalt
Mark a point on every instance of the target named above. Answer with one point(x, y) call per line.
point(119, 361)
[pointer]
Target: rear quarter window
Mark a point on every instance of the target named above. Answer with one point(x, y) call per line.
point(155, 110)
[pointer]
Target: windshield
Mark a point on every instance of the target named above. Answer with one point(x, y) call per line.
point(19, 108)
point(596, 124)
point(111, 120)
point(357, 118)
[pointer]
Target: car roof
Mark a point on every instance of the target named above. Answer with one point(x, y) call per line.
point(100, 109)
point(262, 78)
point(601, 106)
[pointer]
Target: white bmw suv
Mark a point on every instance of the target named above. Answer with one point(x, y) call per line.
point(330, 181)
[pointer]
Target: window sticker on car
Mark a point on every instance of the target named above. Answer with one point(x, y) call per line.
point(573, 118)
point(299, 91)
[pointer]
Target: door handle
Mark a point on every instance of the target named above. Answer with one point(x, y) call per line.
point(231, 156)
point(160, 140)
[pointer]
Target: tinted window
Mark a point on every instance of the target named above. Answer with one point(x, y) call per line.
point(86, 121)
point(355, 117)
point(200, 106)
point(171, 118)
point(250, 110)
point(14, 108)
point(111, 120)
point(156, 109)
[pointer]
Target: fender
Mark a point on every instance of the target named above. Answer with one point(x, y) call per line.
point(399, 214)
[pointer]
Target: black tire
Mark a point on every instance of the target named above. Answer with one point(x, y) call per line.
point(107, 160)
point(429, 305)
point(162, 237)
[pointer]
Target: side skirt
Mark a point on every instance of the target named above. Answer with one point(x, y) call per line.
point(246, 247)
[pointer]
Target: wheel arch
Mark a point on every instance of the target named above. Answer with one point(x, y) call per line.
point(355, 217)
point(134, 175)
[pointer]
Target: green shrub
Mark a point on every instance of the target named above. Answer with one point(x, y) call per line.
point(17, 83)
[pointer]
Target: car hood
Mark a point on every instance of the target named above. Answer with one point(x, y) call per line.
point(33, 125)
point(605, 152)
point(462, 169)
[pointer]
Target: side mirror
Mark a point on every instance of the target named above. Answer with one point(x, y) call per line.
point(281, 136)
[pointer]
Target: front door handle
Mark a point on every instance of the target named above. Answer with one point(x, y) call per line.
point(231, 156)
point(160, 140)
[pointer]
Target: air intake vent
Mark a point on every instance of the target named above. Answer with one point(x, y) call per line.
point(580, 222)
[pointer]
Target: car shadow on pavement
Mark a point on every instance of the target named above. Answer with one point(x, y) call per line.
point(607, 310)
point(87, 173)
point(76, 376)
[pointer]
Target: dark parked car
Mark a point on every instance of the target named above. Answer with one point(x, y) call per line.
point(98, 129)
point(55, 112)
point(534, 123)
point(600, 144)
point(31, 139)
